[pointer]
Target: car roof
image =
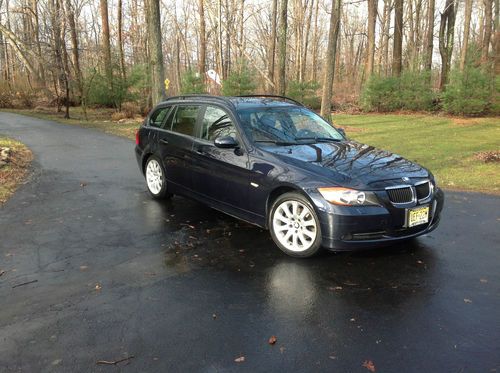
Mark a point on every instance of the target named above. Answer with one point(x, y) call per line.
point(238, 102)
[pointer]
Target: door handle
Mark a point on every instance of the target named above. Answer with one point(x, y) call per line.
point(199, 151)
point(163, 141)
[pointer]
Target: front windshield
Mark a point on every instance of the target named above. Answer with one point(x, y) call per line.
point(286, 125)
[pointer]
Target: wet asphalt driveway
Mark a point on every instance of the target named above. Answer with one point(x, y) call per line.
point(183, 288)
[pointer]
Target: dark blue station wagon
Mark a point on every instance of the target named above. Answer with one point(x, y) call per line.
point(272, 162)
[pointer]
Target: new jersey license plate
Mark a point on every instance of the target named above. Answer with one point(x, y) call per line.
point(417, 216)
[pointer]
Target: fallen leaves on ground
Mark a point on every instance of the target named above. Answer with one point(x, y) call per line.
point(98, 287)
point(368, 364)
point(487, 157)
point(240, 359)
point(272, 340)
point(483, 280)
point(467, 300)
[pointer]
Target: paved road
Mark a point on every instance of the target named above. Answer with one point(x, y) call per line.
point(118, 274)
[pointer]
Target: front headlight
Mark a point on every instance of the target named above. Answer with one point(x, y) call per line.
point(348, 197)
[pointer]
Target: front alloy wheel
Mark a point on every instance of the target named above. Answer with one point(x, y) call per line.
point(294, 225)
point(155, 178)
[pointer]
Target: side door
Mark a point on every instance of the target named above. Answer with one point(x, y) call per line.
point(219, 174)
point(175, 144)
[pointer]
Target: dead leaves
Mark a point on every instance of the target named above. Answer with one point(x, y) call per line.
point(272, 340)
point(467, 300)
point(368, 364)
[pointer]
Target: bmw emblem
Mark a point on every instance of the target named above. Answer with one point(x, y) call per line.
point(406, 179)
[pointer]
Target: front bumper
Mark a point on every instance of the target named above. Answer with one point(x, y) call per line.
point(351, 228)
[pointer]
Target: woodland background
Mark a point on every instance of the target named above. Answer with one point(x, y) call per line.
point(348, 55)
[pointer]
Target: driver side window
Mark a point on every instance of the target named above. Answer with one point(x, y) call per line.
point(216, 123)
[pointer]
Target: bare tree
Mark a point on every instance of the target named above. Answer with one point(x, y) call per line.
point(119, 16)
point(465, 41)
point(282, 57)
point(488, 24)
point(397, 51)
point(372, 21)
point(446, 35)
point(329, 70)
point(203, 40)
point(155, 51)
point(271, 54)
point(429, 37)
point(106, 45)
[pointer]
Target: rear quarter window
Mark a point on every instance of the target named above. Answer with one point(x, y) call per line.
point(157, 119)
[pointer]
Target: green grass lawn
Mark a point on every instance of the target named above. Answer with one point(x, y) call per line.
point(444, 145)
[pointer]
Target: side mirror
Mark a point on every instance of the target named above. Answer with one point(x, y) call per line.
point(226, 142)
point(342, 131)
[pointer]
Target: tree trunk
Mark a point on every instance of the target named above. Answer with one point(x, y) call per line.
point(372, 21)
point(329, 69)
point(397, 51)
point(203, 40)
point(429, 37)
point(242, 31)
point(383, 59)
point(282, 58)
point(465, 42)
point(37, 40)
point(306, 52)
point(496, 47)
point(315, 41)
point(488, 23)
point(271, 55)
point(446, 35)
point(106, 46)
point(74, 48)
point(120, 38)
point(155, 51)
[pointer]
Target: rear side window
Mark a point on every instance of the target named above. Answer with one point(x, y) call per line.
point(184, 119)
point(157, 119)
point(216, 123)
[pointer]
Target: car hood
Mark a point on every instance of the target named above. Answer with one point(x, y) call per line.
point(351, 164)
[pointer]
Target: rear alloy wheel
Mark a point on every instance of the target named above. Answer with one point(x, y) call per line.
point(295, 226)
point(155, 178)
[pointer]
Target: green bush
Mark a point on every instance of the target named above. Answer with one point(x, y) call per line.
point(471, 92)
point(192, 83)
point(305, 92)
point(134, 88)
point(240, 82)
point(410, 91)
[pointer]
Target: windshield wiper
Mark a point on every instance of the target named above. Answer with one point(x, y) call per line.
point(280, 143)
point(318, 139)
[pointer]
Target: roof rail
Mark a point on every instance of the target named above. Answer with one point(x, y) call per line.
point(201, 96)
point(276, 97)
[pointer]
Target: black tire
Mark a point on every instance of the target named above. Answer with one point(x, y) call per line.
point(314, 244)
point(157, 191)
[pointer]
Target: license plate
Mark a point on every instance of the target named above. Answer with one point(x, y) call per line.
point(418, 216)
